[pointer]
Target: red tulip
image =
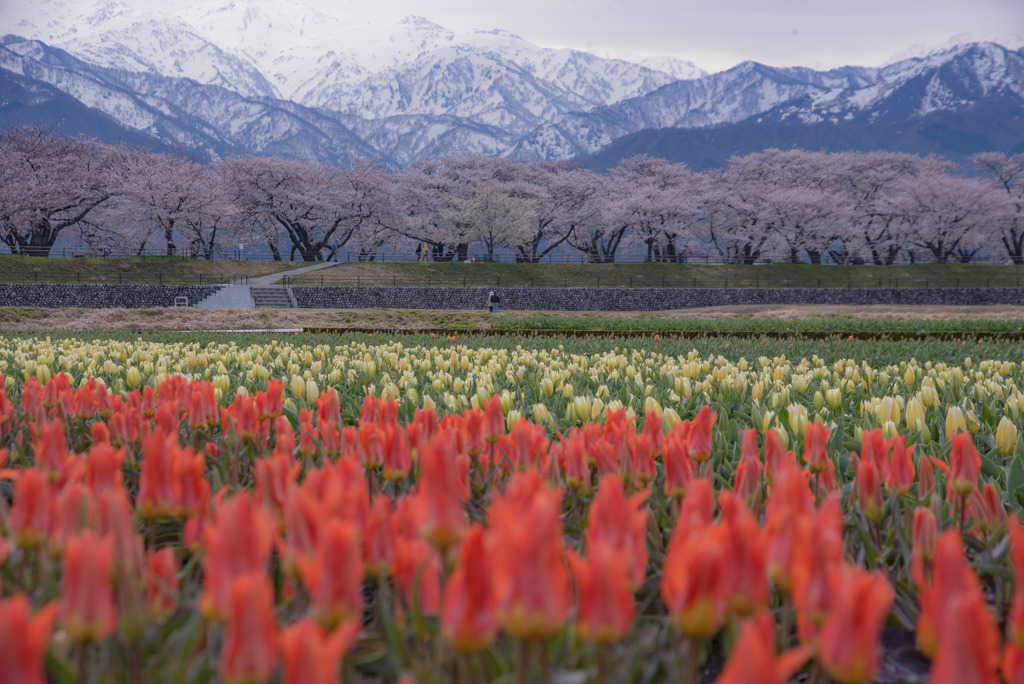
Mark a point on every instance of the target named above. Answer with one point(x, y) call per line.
point(378, 538)
point(310, 655)
point(162, 583)
point(693, 582)
point(605, 604)
point(700, 434)
point(900, 475)
point(29, 519)
point(816, 446)
point(869, 490)
point(334, 576)
point(494, 420)
point(440, 498)
point(968, 642)
point(679, 467)
point(249, 655)
point(469, 610)
point(746, 578)
point(621, 523)
point(1015, 618)
point(850, 645)
point(532, 576)
point(23, 640)
point(87, 610)
point(237, 542)
point(753, 659)
point(964, 464)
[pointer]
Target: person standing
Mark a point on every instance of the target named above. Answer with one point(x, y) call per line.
point(495, 301)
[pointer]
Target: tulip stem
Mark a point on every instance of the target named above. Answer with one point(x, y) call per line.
point(523, 662)
point(963, 513)
point(692, 653)
point(80, 663)
point(602, 666)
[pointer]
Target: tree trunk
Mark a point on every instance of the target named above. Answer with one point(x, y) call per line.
point(274, 250)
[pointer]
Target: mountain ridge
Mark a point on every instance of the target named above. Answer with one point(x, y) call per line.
point(413, 90)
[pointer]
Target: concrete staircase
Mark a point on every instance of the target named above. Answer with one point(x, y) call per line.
point(273, 298)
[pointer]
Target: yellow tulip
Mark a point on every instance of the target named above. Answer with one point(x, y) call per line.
point(797, 419)
point(669, 417)
point(298, 386)
point(133, 378)
point(915, 414)
point(651, 405)
point(312, 391)
point(1006, 436)
point(834, 397)
point(955, 422)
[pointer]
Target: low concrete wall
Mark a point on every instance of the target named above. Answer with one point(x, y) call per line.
point(54, 295)
point(646, 299)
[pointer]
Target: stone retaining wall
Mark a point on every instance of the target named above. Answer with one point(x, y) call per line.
point(640, 299)
point(54, 295)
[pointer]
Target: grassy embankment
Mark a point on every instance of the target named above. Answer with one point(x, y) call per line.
point(136, 270)
point(663, 275)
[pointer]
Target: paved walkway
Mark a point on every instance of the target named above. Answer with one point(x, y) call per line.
point(273, 278)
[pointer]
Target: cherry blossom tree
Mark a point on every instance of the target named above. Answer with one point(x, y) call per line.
point(655, 199)
point(492, 217)
point(318, 208)
point(50, 183)
point(1007, 174)
point(946, 215)
point(736, 214)
point(871, 184)
point(175, 197)
point(568, 198)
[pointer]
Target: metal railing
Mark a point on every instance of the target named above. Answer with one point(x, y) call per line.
point(354, 255)
point(150, 278)
point(630, 281)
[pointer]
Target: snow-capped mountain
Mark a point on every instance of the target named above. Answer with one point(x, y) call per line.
point(249, 76)
point(178, 114)
point(947, 80)
point(289, 50)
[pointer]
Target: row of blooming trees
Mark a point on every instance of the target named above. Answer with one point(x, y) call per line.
point(793, 205)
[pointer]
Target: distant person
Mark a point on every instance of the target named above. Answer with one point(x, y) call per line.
point(495, 300)
point(419, 251)
point(686, 255)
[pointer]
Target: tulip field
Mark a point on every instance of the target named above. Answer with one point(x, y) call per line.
point(316, 509)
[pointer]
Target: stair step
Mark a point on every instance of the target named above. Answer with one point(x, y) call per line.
point(271, 298)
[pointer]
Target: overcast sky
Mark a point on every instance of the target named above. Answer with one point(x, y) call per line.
point(717, 34)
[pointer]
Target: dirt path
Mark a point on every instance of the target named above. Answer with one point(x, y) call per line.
point(20, 319)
